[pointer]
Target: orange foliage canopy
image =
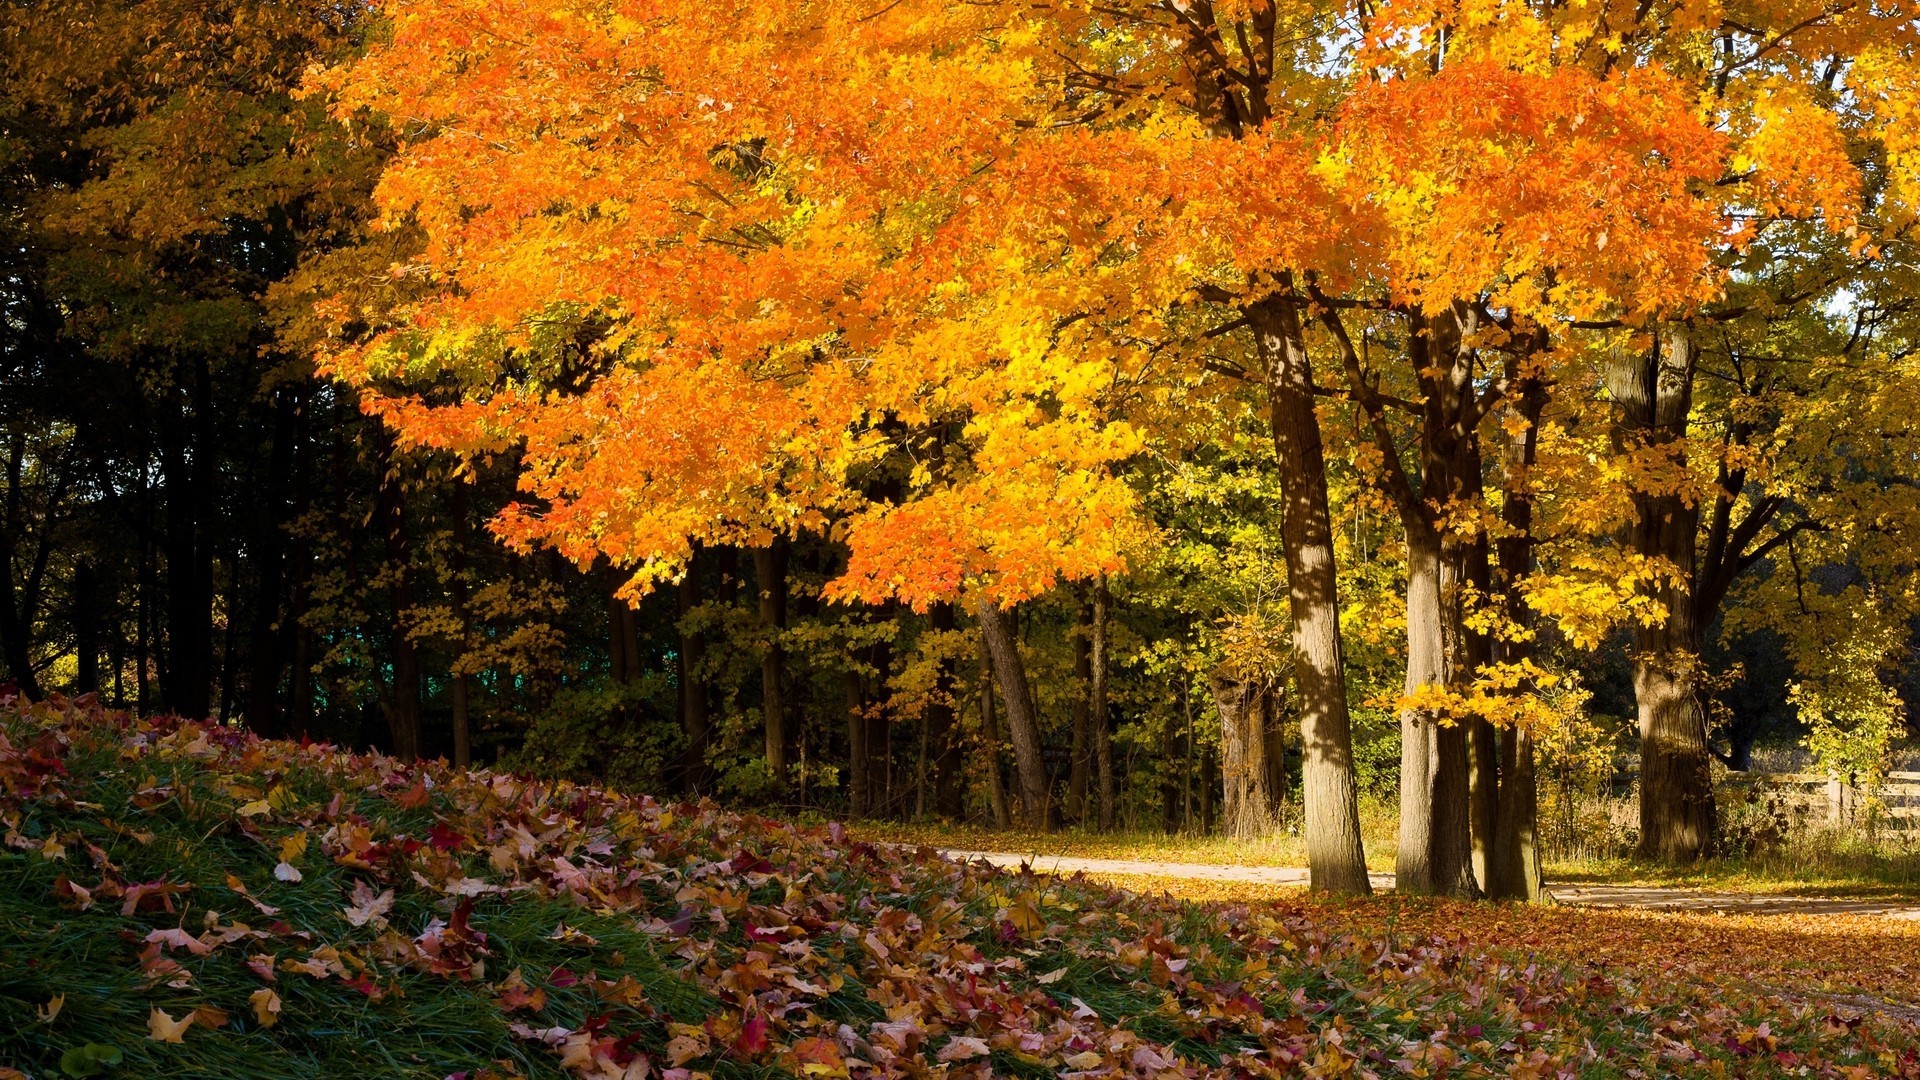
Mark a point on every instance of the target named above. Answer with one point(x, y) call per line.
point(706, 266)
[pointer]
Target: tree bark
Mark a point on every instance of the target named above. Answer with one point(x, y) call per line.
point(1097, 706)
point(1081, 756)
point(1023, 723)
point(859, 757)
point(1515, 870)
point(1435, 855)
point(1335, 860)
point(403, 693)
point(770, 567)
point(186, 466)
point(1276, 740)
point(694, 714)
point(265, 712)
point(1244, 705)
point(1653, 398)
point(943, 733)
point(460, 690)
point(990, 741)
point(86, 627)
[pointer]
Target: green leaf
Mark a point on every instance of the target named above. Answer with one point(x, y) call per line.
point(93, 1059)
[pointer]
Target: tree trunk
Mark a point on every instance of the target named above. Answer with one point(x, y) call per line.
point(1081, 759)
point(403, 694)
point(1435, 855)
point(1246, 802)
point(1483, 751)
point(617, 662)
point(186, 452)
point(1023, 724)
point(943, 733)
point(264, 709)
point(1515, 870)
point(86, 627)
point(990, 740)
point(1277, 787)
point(460, 690)
point(881, 794)
point(859, 756)
point(1653, 397)
point(1097, 707)
point(694, 722)
point(770, 568)
point(1335, 860)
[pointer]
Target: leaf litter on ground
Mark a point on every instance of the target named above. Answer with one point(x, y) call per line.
point(470, 924)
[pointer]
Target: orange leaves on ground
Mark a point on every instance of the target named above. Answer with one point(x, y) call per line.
point(823, 956)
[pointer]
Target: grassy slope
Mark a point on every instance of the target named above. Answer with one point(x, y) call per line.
point(543, 930)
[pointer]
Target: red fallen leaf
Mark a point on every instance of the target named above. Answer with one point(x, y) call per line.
point(561, 978)
point(515, 994)
point(414, 797)
point(152, 895)
point(71, 894)
point(819, 1051)
point(746, 862)
point(837, 833)
point(752, 1040)
point(765, 933)
point(364, 983)
point(444, 839)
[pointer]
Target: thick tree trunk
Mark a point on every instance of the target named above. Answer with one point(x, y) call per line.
point(1336, 863)
point(694, 722)
point(403, 693)
point(1653, 397)
point(1435, 853)
point(1246, 802)
point(1515, 870)
point(990, 741)
point(1023, 723)
point(1097, 705)
point(770, 566)
point(943, 732)
point(1081, 760)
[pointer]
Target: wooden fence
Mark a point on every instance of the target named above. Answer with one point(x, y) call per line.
point(1892, 807)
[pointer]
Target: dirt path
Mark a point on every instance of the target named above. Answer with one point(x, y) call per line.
point(1647, 897)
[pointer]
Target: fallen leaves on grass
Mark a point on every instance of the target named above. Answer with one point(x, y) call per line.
point(491, 924)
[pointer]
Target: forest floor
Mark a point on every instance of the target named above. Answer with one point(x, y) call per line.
point(181, 899)
point(1175, 878)
point(1825, 868)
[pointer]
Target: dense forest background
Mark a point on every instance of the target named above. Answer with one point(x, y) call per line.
point(195, 523)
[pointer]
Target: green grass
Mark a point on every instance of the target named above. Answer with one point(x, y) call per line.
point(709, 925)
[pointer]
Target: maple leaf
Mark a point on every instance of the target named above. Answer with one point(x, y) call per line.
point(367, 907)
point(152, 895)
point(963, 1048)
point(753, 1038)
point(162, 1027)
point(266, 1007)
